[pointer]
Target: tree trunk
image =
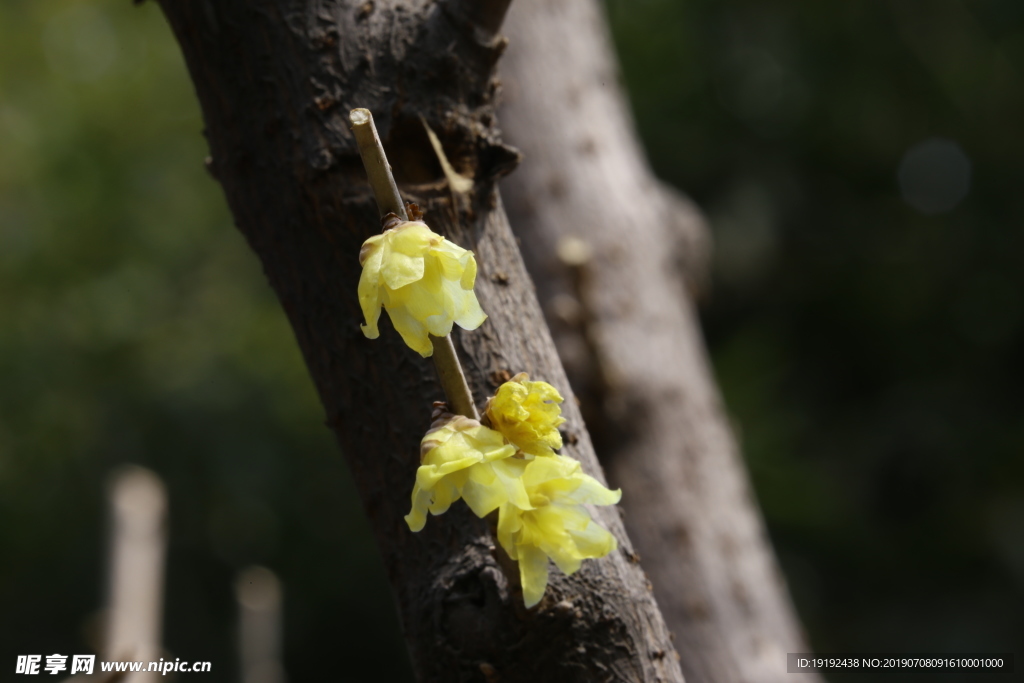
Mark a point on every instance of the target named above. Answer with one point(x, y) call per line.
point(276, 80)
point(616, 298)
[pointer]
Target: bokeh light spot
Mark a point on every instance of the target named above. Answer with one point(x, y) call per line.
point(935, 176)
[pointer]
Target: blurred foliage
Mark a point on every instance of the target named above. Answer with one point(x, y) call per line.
point(136, 326)
point(860, 163)
point(866, 321)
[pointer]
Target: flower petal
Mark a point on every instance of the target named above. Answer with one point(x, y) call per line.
point(593, 541)
point(510, 522)
point(464, 459)
point(492, 484)
point(470, 316)
point(401, 270)
point(592, 491)
point(451, 258)
point(417, 517)
point(424, 282)
point(414, 334)
point(468, 279)
point(369, 292)
point(413, 238)
point(527, 413)
point(533, 573)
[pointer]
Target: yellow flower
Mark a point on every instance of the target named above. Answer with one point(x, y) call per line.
point(463, 459)
point(423, 281)
point(556, 524)
point(527, 413)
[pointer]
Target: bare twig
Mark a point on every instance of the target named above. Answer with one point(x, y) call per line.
point(453, 381)
point(459, 184)
point(449, 370)
point(385, 191)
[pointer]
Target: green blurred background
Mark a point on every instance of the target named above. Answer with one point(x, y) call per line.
point(862, 165)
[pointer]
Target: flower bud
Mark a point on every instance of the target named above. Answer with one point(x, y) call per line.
point(527, 414)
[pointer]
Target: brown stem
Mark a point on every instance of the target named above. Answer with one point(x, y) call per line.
point(453, 381)
point(378, 170)
point(385, 191)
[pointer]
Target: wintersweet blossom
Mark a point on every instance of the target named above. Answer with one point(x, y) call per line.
point(527, 413)
point(463, 459)
point(555, 525)
point(423, 281)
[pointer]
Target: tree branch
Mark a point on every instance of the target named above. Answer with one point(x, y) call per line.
point(276, 80)
point(487, 15)
point(632, 345)
point(385, 191)
point(453, 380)
point(371, 151)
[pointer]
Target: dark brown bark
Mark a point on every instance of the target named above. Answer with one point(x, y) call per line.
point(276, 80)
point(630, 341)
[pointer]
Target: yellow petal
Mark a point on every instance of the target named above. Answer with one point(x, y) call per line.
point(510, 521)
point(533, 573)
point(559, 527)
point(417, 517)
point(489, 442)
point(570, 517)
point(470, 316)
point(423, 281)
point(459, 305)
point(401, 270)
point(567, 560)
point(446, 492)
point(492, 484)
point(369, 291)
point(427, 476)
point(544, 528)
point(412, 238)
point(413, 332)
point(557, 472)
point(437, 299)
point(451, 258)
point(592, 491)
point(593, 541)
point(434, 491)
point(543, 391)
point(425, 301)
point(527, 413)
point(468, 279)
point(465, 460)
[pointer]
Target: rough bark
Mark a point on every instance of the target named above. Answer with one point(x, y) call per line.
point(630, 341)
point(276, 80)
